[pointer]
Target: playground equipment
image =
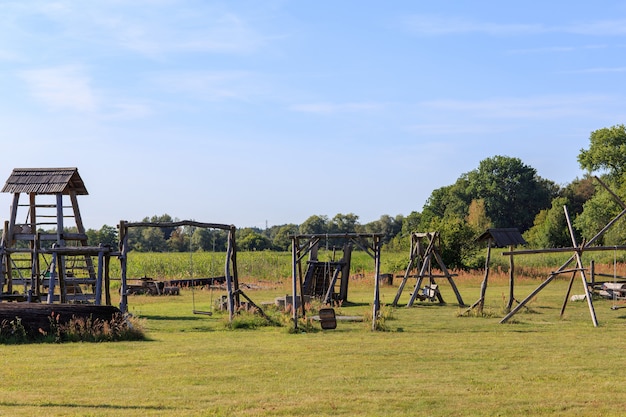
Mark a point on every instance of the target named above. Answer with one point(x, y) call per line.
point(577, 256)
point(498, 238)
point(304, 244)
point(425, 248)
point(54, 265)
point(234, 292)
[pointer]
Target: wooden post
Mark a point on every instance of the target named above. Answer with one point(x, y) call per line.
point(229, 279)
point(376, 308)
point(345, 272)
point(123, 239)
point(107, 279)
point(483, 286)
point(412, 258)
point(99, 279)
point(511, 280)
point(61, 243)
point(51, 282)
point(294, 260)
point(233, 264)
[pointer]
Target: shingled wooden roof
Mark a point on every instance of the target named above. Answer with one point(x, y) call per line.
point(503, 237)
point(45, 181)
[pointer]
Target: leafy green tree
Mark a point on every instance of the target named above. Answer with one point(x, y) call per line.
point(315, 225)
point(151, 239)
point(344, 223)
point(107, 235)
point(477, 216)
point(550, 227)
point(282, 239)
point(411, 223)
point(451, 200)
point(457, 241)
point(606, 151)
point(512, 191)
point(254, 241)
point(388, 226)
point(210, 240)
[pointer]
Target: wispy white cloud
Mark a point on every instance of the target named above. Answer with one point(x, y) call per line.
point(454, 128)
point(212, 85)
point(598, 70)
point(150, 28)
point(434, 25)
point(555, 49)
point(330, 108)
point(182, 32)
point(533, 108)
point(61, 87)
point(609, 27)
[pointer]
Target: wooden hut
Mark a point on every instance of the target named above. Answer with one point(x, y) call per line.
point(41, 259)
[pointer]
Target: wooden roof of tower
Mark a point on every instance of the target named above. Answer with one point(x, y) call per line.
point(45, 181)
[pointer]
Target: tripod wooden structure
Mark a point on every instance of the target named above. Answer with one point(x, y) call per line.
point(425, 248)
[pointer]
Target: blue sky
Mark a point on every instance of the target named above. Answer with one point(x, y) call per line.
point(267, 112)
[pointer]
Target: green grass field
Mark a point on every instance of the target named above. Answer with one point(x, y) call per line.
point(429, 362)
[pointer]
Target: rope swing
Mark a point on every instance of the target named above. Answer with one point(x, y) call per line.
point(193, 295)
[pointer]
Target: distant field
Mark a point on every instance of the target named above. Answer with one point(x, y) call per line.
point(276, 266)
point(429, 362)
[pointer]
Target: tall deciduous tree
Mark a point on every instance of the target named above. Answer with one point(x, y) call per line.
point(607, 150)
point(606, 153)
point(512, 191)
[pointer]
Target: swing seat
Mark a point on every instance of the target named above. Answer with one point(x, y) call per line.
point(430, 292)
point(328, 320)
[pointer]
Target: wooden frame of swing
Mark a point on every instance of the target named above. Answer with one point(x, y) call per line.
point(368, 242)
point(230, 267)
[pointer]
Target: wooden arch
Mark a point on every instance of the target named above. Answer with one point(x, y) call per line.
point(230, 267)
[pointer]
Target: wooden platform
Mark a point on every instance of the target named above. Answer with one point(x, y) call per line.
point(35, 316)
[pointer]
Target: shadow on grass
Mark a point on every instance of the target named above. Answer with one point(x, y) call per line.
point(173, 318)
point(96, 406)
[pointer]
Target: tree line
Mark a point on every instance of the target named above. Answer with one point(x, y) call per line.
point(501, 192)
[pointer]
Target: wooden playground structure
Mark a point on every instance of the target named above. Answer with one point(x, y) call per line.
point(423, 253)
point(318, 280)
point(233, 289)
point(54, 265)
point(579, 269)
point(46, 259)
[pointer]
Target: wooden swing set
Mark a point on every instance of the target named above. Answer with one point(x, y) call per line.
point(234, 292)
point(304, 244)
point(425, 250)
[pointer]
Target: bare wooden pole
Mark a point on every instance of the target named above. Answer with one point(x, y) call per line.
point(123, 238)
point(579, 263)
point(376, 308)
point(295, 246)
point(511, 281)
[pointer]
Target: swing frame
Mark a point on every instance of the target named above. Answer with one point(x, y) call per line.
point(230, 265)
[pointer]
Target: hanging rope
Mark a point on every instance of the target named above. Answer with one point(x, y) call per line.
point(193, 297)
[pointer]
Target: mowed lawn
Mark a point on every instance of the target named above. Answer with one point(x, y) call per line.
point(429, 362)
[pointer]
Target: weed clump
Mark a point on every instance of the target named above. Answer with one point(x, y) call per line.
point(77, 329)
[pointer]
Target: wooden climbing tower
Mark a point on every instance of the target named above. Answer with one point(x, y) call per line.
point(44, 251)
point(424, 253)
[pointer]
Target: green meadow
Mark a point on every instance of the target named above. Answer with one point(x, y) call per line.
point(430, 360)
